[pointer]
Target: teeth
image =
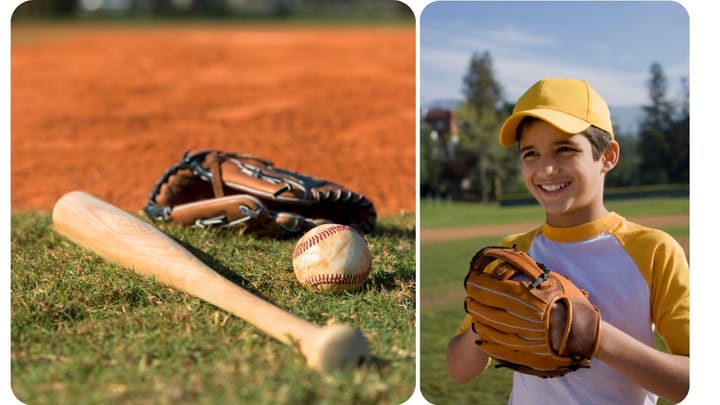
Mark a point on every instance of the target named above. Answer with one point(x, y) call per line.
point(553, 187)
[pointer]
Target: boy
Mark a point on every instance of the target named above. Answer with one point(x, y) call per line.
point(636, 276)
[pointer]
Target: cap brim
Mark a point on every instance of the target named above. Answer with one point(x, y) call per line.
point(563, 122)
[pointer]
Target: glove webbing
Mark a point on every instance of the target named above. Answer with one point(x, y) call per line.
point(158, 213)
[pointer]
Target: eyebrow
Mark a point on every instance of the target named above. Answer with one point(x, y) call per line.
point(565, 142)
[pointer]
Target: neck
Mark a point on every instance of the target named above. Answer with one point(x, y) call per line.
point(576, 218)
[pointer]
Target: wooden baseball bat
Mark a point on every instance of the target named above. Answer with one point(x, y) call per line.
point(122, 238)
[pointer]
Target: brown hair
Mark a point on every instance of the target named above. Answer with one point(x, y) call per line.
point(599, 139)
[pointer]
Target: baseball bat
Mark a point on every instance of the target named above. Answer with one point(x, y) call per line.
point(122, 238)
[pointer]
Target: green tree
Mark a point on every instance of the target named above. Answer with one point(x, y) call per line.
point(480, 88)
point(663, 145)
point(479, 119)
point(679, 135)
point(431, 156)
point(626, 172)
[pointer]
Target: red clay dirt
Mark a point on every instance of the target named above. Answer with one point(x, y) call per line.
point(106, 109)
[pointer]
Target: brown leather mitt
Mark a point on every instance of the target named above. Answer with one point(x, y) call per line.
point(510, 303)
point(210, 188)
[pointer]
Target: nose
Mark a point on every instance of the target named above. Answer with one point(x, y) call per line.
point(547, 166)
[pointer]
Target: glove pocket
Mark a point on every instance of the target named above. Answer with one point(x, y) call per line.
point(581, 336)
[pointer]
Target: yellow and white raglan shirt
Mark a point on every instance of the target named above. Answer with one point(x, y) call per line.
point(637, 276)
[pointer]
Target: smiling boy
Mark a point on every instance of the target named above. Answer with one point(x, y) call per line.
point(637, 277)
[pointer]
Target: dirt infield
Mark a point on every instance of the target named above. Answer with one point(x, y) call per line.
point(108, 109)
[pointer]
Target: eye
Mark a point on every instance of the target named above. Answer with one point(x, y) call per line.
point(529, 154)
point(566, 149)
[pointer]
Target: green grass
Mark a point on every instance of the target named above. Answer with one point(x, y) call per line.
point(443, 266)
point(439, 214)
point(86, 332)
point(491, 388)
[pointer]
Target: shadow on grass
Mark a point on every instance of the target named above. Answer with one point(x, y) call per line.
point(218, 267)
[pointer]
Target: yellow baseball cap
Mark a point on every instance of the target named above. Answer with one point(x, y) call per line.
point(569, 105)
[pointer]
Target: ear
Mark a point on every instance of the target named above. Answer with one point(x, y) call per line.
point(610, 157)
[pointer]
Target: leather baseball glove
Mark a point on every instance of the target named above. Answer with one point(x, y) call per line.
point(210, 188)
point(511, 302)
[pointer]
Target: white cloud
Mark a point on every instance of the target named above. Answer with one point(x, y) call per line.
point(620, 88)
point(512, 36)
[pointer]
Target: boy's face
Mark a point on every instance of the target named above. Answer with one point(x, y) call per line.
point(559, 171)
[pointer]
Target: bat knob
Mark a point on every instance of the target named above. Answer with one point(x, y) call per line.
point(338, 347)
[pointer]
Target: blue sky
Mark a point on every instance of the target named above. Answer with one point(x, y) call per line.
point(610, 44)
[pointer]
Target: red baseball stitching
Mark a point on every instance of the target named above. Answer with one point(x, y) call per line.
point(315, 239)
point(318, 279)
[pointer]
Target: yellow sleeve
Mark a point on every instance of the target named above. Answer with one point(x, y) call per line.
point(465, 325)
point(665, 268)
point(671, 297)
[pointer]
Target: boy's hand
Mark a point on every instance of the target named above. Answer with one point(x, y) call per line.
point(527, 317)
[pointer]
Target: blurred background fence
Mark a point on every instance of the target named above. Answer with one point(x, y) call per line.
point(375, 9)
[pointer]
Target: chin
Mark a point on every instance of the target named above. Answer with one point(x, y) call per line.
point(557, 210)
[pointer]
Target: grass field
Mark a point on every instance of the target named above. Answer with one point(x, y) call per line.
point(443, 266)
point(87, 332)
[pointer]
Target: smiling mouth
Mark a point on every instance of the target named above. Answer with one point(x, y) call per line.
point(551, 188)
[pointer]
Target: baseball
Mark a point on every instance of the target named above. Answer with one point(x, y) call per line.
point(332, 258)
